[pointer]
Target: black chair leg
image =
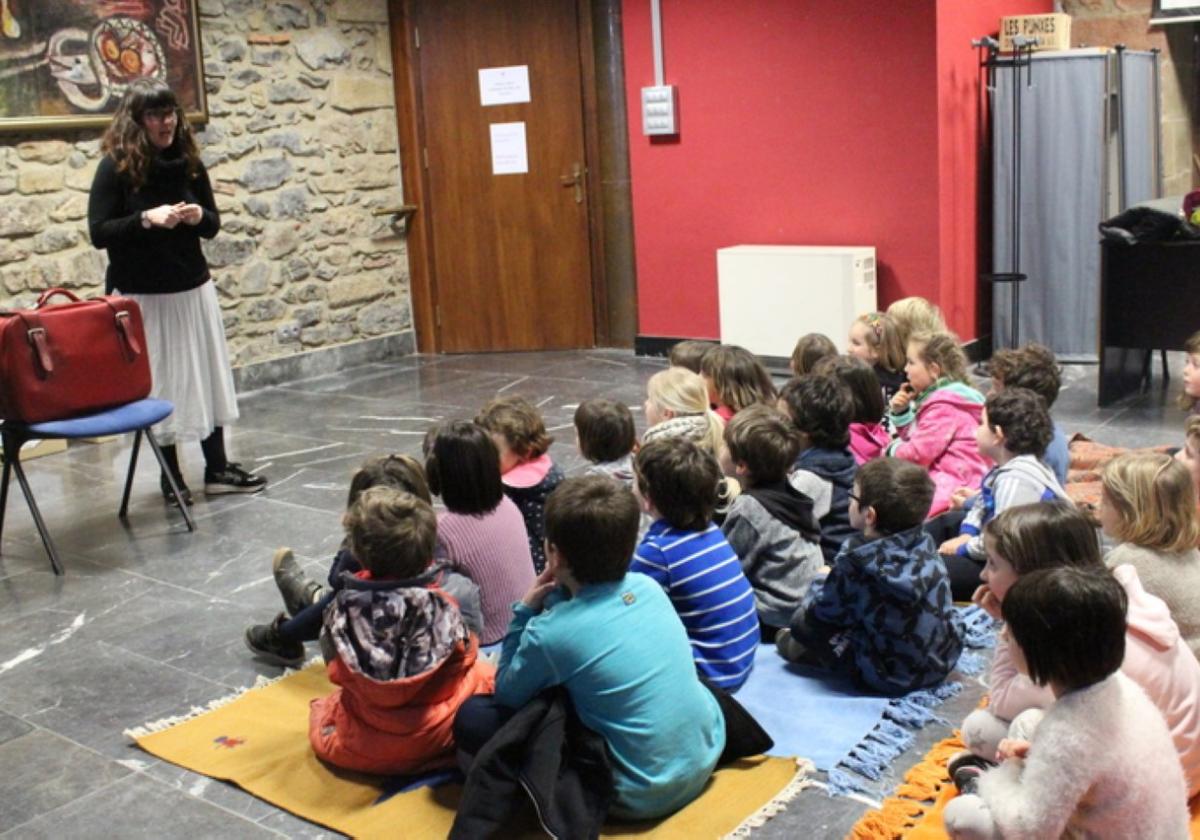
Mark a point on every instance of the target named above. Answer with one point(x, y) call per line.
point(162, 462)
point(1166, 370)
point(12, 457)
point(133, 456)
point(4, 481)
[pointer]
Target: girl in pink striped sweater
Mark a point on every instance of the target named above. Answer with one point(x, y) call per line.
point(481, 533)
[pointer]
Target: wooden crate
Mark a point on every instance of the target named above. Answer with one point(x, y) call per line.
point(1053, 31)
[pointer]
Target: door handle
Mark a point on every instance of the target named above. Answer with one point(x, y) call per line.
point(575, 179)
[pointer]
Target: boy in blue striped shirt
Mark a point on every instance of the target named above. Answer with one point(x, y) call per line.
point(689, 557)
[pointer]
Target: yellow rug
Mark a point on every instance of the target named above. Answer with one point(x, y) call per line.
point(258, 740)
point(914, 812)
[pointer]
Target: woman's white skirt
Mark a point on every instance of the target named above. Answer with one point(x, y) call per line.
point(189, 362)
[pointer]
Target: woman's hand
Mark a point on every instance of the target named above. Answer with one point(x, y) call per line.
point(543, 585)
point(164, 215)
point(189, 214)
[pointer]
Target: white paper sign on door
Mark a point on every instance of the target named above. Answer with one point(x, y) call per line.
point(509, 155)
point(504, 85)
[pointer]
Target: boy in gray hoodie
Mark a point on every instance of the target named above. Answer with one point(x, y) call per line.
point(771, 524)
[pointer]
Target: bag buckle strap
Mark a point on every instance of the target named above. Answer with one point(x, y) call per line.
point(36, 336)
point(129, 340)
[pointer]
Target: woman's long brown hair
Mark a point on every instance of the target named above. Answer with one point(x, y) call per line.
point(126, 140)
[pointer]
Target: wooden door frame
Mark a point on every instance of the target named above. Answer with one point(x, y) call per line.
point(422, 269)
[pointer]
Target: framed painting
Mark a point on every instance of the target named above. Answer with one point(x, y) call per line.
point(67, 63)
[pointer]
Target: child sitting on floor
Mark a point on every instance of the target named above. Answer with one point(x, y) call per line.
point(1047, 535)
point(875, 338)
point(282, 641)
point(1012, 432)
point(528, 472)
point(771, 524)
point(1148, 505)
point(915, 316)
point(689, 353)
point(677, 406)
point(1034, 366)
point(936, 415)
point(1189, 453)
point(481, 533)
point(613, 640)
point(868, 435)
point(810, 349)
point(396, 645)
point(735, 379)
point(605, 434)
point(820, 407)
point(883, 614)
point(1100, 762)
point(689, 557)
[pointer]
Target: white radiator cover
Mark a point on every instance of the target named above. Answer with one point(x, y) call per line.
point(770, 295)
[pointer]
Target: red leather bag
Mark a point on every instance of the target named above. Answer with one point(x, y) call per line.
point(63, 360)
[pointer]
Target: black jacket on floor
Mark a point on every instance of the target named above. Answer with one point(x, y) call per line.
point(544, 754)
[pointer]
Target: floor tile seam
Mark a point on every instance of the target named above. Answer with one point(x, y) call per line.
point(77, 744)
point(539, 377)
point(206, 596)
point(11, 832)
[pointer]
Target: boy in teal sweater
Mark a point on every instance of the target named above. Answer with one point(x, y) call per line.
point(613, 640)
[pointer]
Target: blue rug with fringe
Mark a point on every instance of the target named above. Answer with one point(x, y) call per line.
point(829, 721)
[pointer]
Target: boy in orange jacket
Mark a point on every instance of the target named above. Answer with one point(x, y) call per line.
point(397, 646)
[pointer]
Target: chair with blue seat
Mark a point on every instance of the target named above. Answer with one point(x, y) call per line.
point(136, 417)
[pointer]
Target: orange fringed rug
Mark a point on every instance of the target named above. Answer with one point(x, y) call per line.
point(914, 812)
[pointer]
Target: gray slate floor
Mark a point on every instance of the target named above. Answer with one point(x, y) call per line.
point(148, 619)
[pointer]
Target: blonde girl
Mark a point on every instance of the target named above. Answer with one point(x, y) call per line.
point(1191, 375)
point(1189, 453)
point(913, 315)
point(677, 406)
point(735, 379)
point(875, 338)
point(1148, 505)
point(936, 414)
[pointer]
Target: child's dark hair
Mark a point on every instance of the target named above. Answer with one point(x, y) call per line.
point(764, 439)
point(1043, 535)
point(1192, 348)
point(738, 377)
point(1032, 366)
point(942, 349)
point(1069, 623)
point(605, 430)
point(810, 349)
point(403, 472)
point(900, 491)
point(520, 423)
point(863, 383)
point(689, 353)
point(1024, 419)
point(592, 521)
point(821, 407)
point(391, 533)
point(463, 467)
point(681, 480)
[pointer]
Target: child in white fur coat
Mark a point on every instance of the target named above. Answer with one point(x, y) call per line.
point(1101, 762)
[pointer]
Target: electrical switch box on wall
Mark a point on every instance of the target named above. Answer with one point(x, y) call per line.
point(770, 295)
point(660, 110)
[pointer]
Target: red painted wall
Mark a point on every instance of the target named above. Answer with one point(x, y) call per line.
point(962, 120)
point(811, 123)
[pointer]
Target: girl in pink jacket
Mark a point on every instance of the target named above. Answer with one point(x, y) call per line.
point(936, 414)
point(1025, 538)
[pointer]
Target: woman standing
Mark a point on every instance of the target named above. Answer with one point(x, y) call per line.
point(150, 203)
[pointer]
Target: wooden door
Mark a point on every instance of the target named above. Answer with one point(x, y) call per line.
point(510, 252)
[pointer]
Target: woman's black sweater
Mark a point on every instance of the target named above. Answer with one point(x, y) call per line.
point(155, 260)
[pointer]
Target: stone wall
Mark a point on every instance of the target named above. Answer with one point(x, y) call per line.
point(301, 146)
point(1110, 22)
